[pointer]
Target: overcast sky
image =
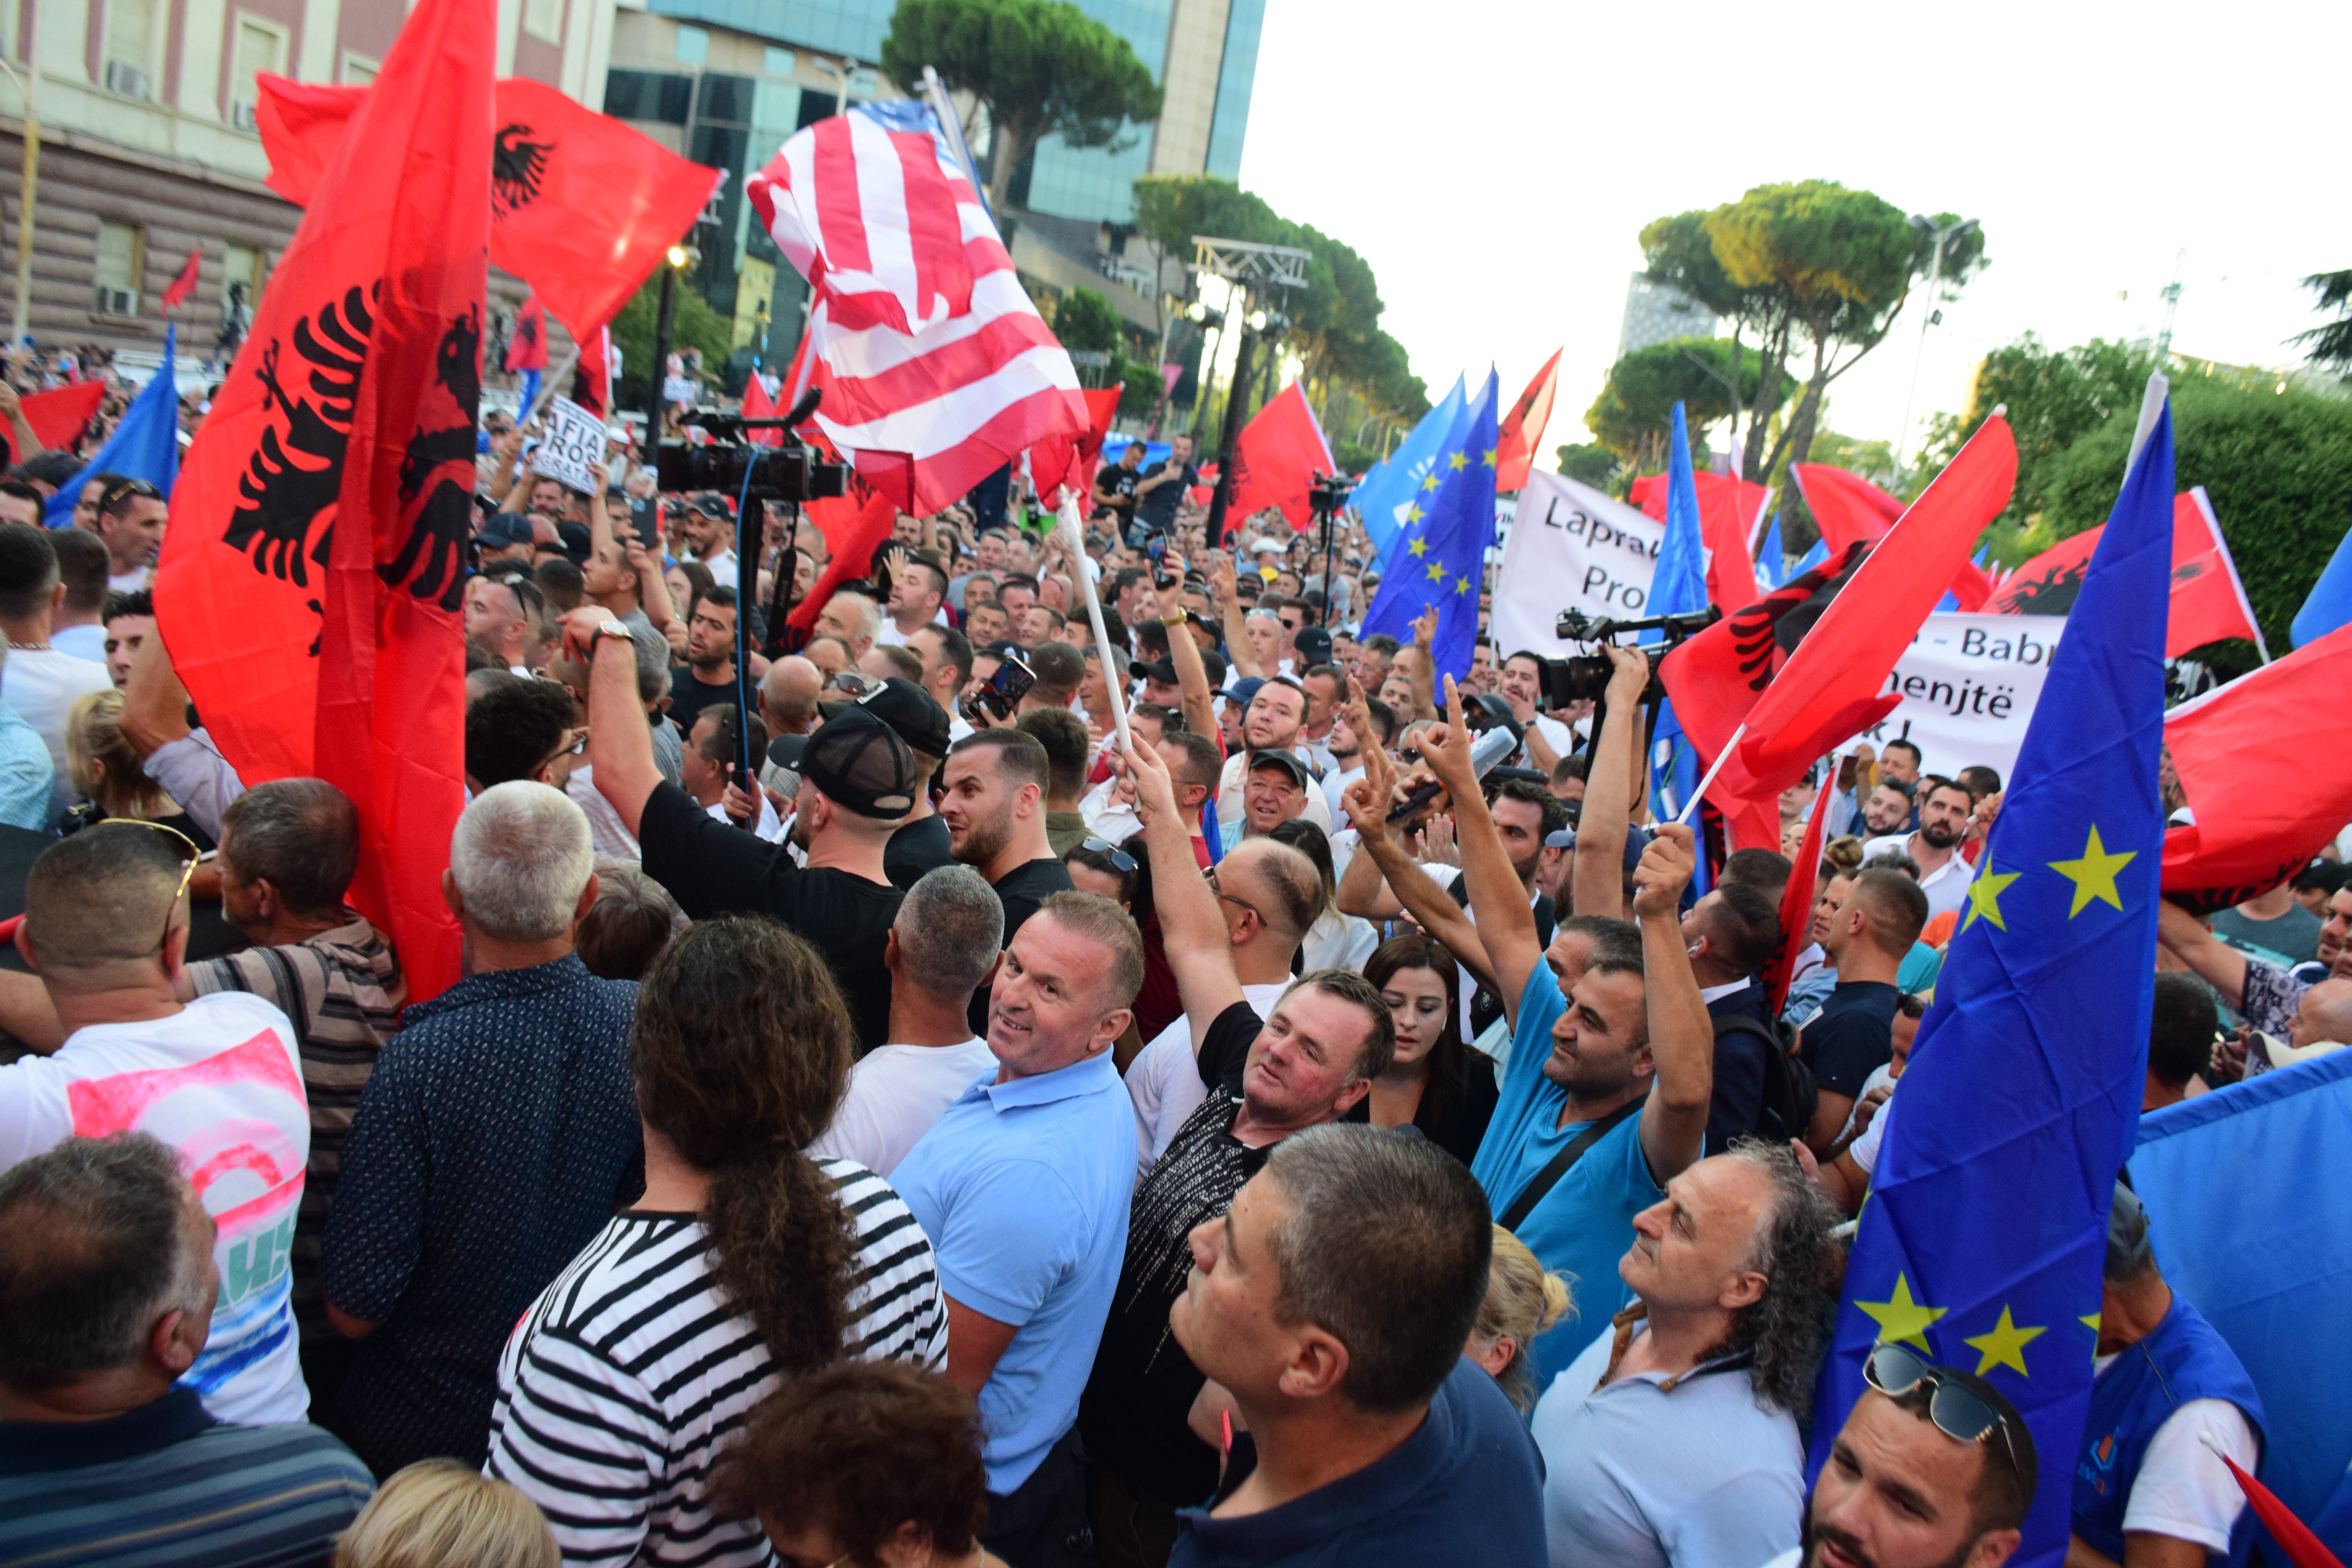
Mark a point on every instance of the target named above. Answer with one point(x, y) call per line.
point(1494, 161)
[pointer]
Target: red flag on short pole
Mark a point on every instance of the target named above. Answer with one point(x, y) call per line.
point(2233, 747)
point(758, 405)
point(58, 417)
point(1833, 685)
point(527, 350)
point(310, 585)
point(184, 284)
point(581, 205)
point(1277, 458)
point(1071, 460)
point(592, 377)
point(1797, 898)
point(2294, 1538)
point(855, 526)
point(1523, 427)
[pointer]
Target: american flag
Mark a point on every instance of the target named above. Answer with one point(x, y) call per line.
point(936, 367)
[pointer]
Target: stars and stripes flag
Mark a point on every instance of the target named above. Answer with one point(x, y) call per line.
point(935, 366)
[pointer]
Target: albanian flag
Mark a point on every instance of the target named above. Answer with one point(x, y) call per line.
point(1071, 460)
point(527, 350)
point(591, 379)
point(2208, 602)
point(582, 206)
point(1846, 506)
point(1277, 458)
point(310, 587)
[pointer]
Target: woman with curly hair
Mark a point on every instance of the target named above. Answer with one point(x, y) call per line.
point(1435, 1082)
point(744, 1263)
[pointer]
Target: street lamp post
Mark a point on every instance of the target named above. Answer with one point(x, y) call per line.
point(1943, 236)
point(679, 258)
point(1237, 409)
point(27, 194)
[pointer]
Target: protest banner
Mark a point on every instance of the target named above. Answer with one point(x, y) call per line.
point(575, 438)
point(1571, 547)
point(1967, 685)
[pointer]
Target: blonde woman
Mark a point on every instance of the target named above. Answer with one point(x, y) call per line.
point(1522, 1301)
point(436, 1513)
point(106, 767)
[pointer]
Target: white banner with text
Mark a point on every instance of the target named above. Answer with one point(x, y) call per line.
point(1968, 684)
point(1571, 548)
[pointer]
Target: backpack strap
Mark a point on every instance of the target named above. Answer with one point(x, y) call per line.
point(1549, 1177)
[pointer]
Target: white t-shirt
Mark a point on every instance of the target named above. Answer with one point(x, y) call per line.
point(128, 582)
point(1557, 735)
point(41, 684)
point(771, 827)
point(1865, 1148)
point(86, 641)
point(2182, 1489)
point(1337, 942)
point(896, 1094)
point(1164, 1079)
point(219, 1081)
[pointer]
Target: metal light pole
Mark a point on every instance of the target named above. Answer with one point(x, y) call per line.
point(27, 194)
point(679, 258)
point(1237, 409)
point(1241, 263)
point(1926, 224)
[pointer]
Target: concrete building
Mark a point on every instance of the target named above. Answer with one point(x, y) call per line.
point(1656, 314)
point(148, 149)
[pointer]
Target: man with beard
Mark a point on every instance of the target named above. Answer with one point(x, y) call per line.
point(1935, 849)
point(1903, 1489)
point(1272, 722)
point(1887, 809)
point(708, 529)
point(1310, 1060)
point(708, 675)
point(993, 798)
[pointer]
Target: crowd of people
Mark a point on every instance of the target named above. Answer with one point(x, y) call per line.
point(1295, 1133)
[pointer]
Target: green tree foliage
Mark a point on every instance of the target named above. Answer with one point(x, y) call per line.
point(1335, 319)
point(2277, 466)
point(1680, 254)
point(1846, 260)
point(1634, 415)
point(1591, 464)
point(2054, 397)
point(693, 324)
point(2331, 345)
point(1043, 67)
point(1873, 460)
point(1083, 320)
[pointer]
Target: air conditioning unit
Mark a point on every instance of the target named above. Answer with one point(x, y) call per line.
point(127, 79)
point(241, 115)
point(116, 302)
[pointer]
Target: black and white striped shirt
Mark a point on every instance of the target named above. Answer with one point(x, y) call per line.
point(626, 1378)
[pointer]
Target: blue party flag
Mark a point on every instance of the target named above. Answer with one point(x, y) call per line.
point(1389, 487)
point(1982, 1241)
point(1679, 587)
point(1772, 560)
point(145, 443)
point(1440, 554)
point(2329, 604)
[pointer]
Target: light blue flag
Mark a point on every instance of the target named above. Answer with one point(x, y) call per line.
point(1772, 562)
point(145, 444)
point(1678, 588)
point(1390, 487)
point(2330, 603)
point(1810, 559)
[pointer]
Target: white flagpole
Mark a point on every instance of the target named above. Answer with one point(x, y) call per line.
point(1074, 531)
point(1721, 757)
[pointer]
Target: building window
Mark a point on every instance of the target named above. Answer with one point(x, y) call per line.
point(779, 62)
point(121, 261)
point(647, 95)
point(260, 46)
point(693, 46)
point(543, 19)
point(131, 33)
point(245, 267)
point(358, 71)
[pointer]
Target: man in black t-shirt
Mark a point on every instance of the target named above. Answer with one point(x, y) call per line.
point(993, 798)
point(1853, 1034)
point(1312, 1062)
point(857, 785)
point(1115, 486)
point(1161, 487)
point(708, 674)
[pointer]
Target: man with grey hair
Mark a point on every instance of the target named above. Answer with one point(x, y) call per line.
point(851, 616)
point(495, 1137)
point(1675, 1437)
point(106, 1286)
point(1369, 1432)
point(941, 948)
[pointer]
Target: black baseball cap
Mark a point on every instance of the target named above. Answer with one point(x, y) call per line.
point(913, 712)
point(577, 541)
point(506, 530)
point(1278, 759)
point(709, 503)
point(858, 762)
point(1314, 646)
point(1162, 670)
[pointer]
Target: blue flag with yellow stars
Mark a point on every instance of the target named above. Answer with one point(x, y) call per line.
point(1439, 559)
point(1985, 1228)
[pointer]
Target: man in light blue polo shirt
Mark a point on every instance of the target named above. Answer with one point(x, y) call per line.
point(1023, 1187)
point(1622, 1070)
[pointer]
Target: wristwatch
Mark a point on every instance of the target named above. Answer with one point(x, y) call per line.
point(1175, 620)
point(616, 630)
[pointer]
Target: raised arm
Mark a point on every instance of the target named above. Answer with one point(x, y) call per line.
point(1192, 674)
point(1682, 1037)
point(1597, 885)
point(1238, 653)
point(155, 705)
point(619, 745)
point(1429, 905)
point(1192, 930)
point(21, 440)
point(2216, 963)
point(1498, 902)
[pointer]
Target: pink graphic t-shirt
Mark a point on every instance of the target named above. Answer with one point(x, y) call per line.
point(220, 1082)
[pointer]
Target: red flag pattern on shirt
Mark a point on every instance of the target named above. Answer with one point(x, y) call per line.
point(176, 294)
point(1277, 458)
point(1072, 461)
point(1832, 686)
point(527, 350)
point(2231, 748)
point(310, 585)
point(936, 367)
point(2208, 602)
point(1846, 506)
point(581, 205)
point(1522, 428)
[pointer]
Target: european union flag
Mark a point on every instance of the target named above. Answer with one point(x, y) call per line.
point(1985, 1230)
point(1439, 556)
point(1390, 487)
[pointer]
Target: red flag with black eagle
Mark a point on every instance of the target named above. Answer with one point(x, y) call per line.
point(581, 205)
point(527, 350)
point(311, 586)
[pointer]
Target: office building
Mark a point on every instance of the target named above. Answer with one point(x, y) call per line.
point(1657, 313)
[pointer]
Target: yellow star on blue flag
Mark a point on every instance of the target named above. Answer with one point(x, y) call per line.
point(1989, 1203)
point(1449, 528)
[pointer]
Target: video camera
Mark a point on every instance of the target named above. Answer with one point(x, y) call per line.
point(1584, 677)
point(790, 472)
